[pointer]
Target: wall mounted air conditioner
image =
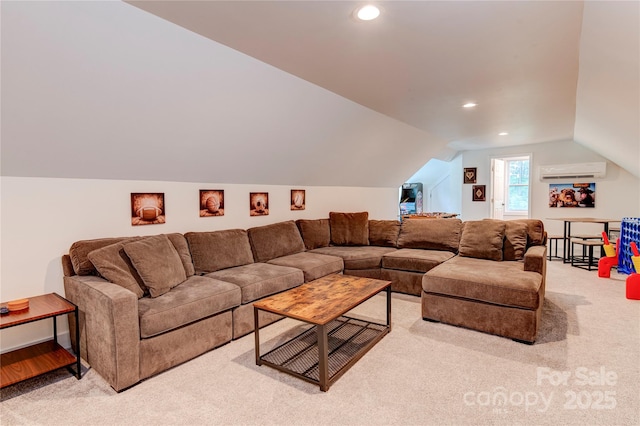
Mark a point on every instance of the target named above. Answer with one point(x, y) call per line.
point(573, 171)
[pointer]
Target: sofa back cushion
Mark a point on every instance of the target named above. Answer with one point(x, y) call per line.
point(157, 262)
point(275, 240)
point(434, 234)
point(384, 233)
point(315, 232)
point(349, 229)
point(216, 250)
point(79, 253)
point(182, 247)
point(482, 239)
point(515, 240)
point(113, 264)
point(535, 232)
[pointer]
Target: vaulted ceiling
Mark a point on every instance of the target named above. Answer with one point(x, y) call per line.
point(520, 61)
point(299, 92)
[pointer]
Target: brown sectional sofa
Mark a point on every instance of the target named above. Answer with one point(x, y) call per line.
point(149, 303)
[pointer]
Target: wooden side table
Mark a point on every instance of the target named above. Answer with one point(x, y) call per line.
point(41, 358)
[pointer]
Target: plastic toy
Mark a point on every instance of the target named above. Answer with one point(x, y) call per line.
point(610, 260)
point(629, 232)
point(609, 250)
point(636, 257)
point(633, 280)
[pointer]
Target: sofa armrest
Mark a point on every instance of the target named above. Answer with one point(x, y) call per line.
point(535, 258)
point(110, 332)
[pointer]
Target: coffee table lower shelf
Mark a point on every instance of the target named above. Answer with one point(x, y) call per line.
point(348, 339)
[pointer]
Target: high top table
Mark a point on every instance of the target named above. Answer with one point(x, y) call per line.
point(567, 230)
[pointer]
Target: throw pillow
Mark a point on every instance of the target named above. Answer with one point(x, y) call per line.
point(482, 239)
point(349, 229)
point(157, 262)
point(384, 233)
point(113, 264)
point(315, 233)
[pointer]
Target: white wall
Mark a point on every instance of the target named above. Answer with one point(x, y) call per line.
point(618, 194)
point(438, 172)
point(42, 217)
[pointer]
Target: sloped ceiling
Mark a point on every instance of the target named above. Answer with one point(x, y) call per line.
point(108, 90)
point(421, 60)
point(608, 96)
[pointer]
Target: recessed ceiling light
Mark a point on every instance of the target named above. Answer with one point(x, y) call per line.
point(503, 134)
point(469, 105)
point(368, 12)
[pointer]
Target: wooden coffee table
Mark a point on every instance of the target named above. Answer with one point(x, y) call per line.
point(324, 352)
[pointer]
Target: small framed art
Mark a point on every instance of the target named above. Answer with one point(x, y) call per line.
point(211, 202)
point(298, 199)
point(258, 203)
point(479, 193)
point(470, 174)
point(147, 208)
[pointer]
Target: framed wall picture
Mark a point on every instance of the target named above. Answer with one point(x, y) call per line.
point(211, 202)
point(470, 174)
point(298, 199)
point(147, 208)
point(479, 193)
point(258, 203)
point(572, 194)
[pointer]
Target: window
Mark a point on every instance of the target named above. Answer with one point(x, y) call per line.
point(517, 194)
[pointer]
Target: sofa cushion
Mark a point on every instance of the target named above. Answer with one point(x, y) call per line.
point(258, 280)
point(212, 251)
point(415, 260)
point(500, 283)
point(113, 264)
point(182, 247)
point(196, 298)
point(515, 240)
point(535, 231)
point(315, 233)
point(384, 233)
point(313, 265)
point(357, 257)
point(275, 240)
point(79, 253)
point(349, 229)
point(482, 239)
point(434, 234)
point(157, 262)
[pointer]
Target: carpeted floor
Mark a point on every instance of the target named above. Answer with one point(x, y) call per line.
point(584, 369)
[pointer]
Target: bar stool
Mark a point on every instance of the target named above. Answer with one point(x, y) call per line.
point(552, 239)
point(585, 261)
point(614, 233)
point(586, 236)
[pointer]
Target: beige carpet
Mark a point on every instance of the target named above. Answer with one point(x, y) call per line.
point(584, 369)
